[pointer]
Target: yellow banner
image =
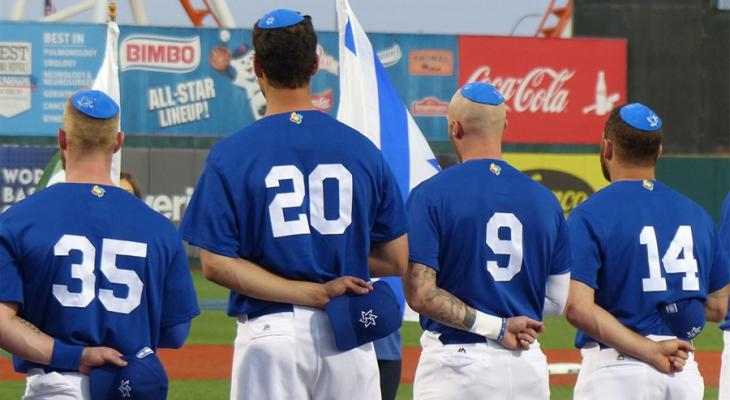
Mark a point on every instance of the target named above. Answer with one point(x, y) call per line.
point(572, 177)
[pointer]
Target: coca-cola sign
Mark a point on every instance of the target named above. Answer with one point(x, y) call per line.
point(556, 91)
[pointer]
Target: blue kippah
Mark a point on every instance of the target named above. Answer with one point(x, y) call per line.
point(95, 104)
point(640, 117)
point(484, 93)
point(279, 18)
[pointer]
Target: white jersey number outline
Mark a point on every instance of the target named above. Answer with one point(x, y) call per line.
point(511, 247)
point(300, 226)
point(84, 271)
point(681, 244)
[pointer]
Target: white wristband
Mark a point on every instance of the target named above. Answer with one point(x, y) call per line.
point(489, 326)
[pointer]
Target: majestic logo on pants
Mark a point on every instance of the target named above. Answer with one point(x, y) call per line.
point(368, 318)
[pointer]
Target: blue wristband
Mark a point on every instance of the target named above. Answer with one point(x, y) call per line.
point(501, 330)
point(66, 356)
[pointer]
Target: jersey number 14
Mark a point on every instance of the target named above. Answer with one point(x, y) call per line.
point(682, 243)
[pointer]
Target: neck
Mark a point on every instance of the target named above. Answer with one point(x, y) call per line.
point(481, 151)
point(632, 173)
point(89, 168)
point(280, 101)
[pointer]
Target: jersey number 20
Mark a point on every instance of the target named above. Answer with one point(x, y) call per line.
point(682, 243)
point(84, 271)
point(300, 226)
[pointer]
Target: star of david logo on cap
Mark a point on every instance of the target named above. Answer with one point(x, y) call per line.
point(85, 102)
point(653, 120)
point(368, 318)
point(125, 389)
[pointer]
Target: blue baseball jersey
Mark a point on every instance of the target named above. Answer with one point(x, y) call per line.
point(724, 244)
point(641, 245)
point(493, 235)
point(300, 194)
point(92, 265)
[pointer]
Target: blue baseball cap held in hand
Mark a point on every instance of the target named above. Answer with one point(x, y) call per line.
point(144, 378)
point(684, 319)
point(359, 319)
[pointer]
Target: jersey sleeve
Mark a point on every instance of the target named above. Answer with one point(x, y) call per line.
point(562, 258)
point(390, 217)
point(210, 218)
point(586, 258)
point(11, 285)
point(720, 273)
point(423, 236)
point(179, 302)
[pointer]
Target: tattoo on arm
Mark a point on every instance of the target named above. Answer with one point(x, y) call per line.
point(441, 305)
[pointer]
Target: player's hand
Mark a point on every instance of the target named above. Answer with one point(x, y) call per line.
point(521, 332)
point(98, 356)
point(340, 286)
point(671, 355)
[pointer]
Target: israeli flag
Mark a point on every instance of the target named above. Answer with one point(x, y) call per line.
point(370, 104)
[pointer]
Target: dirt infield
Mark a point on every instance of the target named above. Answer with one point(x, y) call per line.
point(213, 362)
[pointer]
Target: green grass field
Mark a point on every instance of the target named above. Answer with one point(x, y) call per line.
point(215, 327)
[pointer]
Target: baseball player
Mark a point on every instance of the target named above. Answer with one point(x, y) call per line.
point(289, 212)
point(645, 272)
point(724, 244)
point(489, 255)
point(85, 264)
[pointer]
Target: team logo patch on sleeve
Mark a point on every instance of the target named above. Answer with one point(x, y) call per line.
point(495, 169)
point(648, 185)
point(296, 118)
point(98, 191)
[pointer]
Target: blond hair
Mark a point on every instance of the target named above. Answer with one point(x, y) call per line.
point(89, 134)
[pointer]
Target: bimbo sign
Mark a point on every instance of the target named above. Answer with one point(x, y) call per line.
point(160, 53)
point(556, 90)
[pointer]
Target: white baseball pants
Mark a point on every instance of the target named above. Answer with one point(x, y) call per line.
point(56, 386)
point(479, 371)
point(292, 355)
point(606, 374)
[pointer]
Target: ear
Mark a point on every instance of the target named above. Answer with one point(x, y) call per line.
point(118, 141)
point(257, 67)
point(62, 139)
point(661, 151)
point(607, 149)
point(457, 130)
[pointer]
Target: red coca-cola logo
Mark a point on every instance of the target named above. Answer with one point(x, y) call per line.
point(556, 91)
point(542, 89)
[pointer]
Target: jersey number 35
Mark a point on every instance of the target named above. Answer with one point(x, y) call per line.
point(84, 271)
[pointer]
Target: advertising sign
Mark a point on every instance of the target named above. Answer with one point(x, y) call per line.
point(571, 177)
point(556, 90)
point(41, 65)
point(20, 170)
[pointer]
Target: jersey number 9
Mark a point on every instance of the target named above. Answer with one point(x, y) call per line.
point(84, 271)
point(511, 247)
point(300, 226)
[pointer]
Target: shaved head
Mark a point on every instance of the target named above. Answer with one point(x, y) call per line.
point(475, 129)
point(476, 118)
